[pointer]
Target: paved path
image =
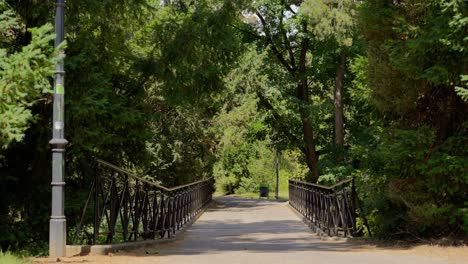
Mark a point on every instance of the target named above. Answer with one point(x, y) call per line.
point(237, 230)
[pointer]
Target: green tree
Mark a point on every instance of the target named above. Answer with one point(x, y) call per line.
point(24, 74)
point(412, 172)
point(279, 27)
point(417, 53)
point(106, 114)
point(333, 29)
point(239, 126)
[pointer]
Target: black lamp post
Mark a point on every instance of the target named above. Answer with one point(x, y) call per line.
point(58, 230)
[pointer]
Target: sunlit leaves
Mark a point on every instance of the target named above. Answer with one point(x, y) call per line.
point(24, 78)
point(331, 19)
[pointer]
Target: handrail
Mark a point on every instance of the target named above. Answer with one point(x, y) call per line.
point(324, 186)
point(131, 174)
point(147, 181)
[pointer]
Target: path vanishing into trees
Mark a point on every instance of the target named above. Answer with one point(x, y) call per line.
point(242, 230)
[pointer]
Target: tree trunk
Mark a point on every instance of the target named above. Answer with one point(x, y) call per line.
point(309, 149)
point(308, 132)
point(338, 97)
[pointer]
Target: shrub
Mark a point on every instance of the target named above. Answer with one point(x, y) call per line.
point(415, 185)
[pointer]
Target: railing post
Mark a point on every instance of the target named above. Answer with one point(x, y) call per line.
point(337, 211)
point(353, 204)
point(174, 213)
point(162, 215)
point(125, 214)
point(113, 210)
point(96, 205)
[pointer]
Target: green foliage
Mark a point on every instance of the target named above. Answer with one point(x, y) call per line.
point(412, 160)
point(24, 75)
point(195, 46)
point(463, 92)
point(464, 214)
point(248, 129)
point(8, 258)
point(26, 68)
point(331, 20)
point(181, 146)
point(9, 23)
point(106, 111)
point(238, 146)
point(422, 183)
point(417, 52)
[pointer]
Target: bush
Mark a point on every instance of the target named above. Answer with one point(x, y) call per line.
point(415, 185)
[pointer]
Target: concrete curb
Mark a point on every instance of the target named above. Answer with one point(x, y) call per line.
point(83, 250)
point(319, 232)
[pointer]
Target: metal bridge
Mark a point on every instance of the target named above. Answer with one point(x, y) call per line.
point(123, 207)
point(185, 224)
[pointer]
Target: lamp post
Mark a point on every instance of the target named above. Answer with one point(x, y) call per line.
point(57, 231)
point(277, 174)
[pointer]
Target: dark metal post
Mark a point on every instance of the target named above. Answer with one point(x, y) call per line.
point(57, 231)
point(353, 204)
point(277, 174)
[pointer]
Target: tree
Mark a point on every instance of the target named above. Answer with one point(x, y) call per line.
point(26, 69)
point(194, 45)
point(333, 29)
point(240, 128)
point(24, 74)
point(412, 166)
point(286, 35)
point(189, 49)
point(105, 108)
point(417, 53)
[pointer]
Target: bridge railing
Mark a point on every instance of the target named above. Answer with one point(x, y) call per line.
point(123, 207)
point(332, 209)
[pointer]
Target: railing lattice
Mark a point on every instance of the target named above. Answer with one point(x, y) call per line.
point(330, 209)
point(128, 208)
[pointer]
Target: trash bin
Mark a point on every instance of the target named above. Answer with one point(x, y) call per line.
point(264, 191)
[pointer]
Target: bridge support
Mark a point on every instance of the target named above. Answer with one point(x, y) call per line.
point(58, 230)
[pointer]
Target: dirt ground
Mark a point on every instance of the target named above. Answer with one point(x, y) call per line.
point(453, 254)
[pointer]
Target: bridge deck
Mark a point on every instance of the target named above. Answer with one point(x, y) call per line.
point(237, 230)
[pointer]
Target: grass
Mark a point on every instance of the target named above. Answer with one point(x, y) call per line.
point(9, 258)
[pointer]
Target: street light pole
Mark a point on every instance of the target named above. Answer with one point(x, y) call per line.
point(277, 174)
point(57, 231)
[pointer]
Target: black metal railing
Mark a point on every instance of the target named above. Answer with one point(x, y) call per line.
point(123, 207)
point(331, 209)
